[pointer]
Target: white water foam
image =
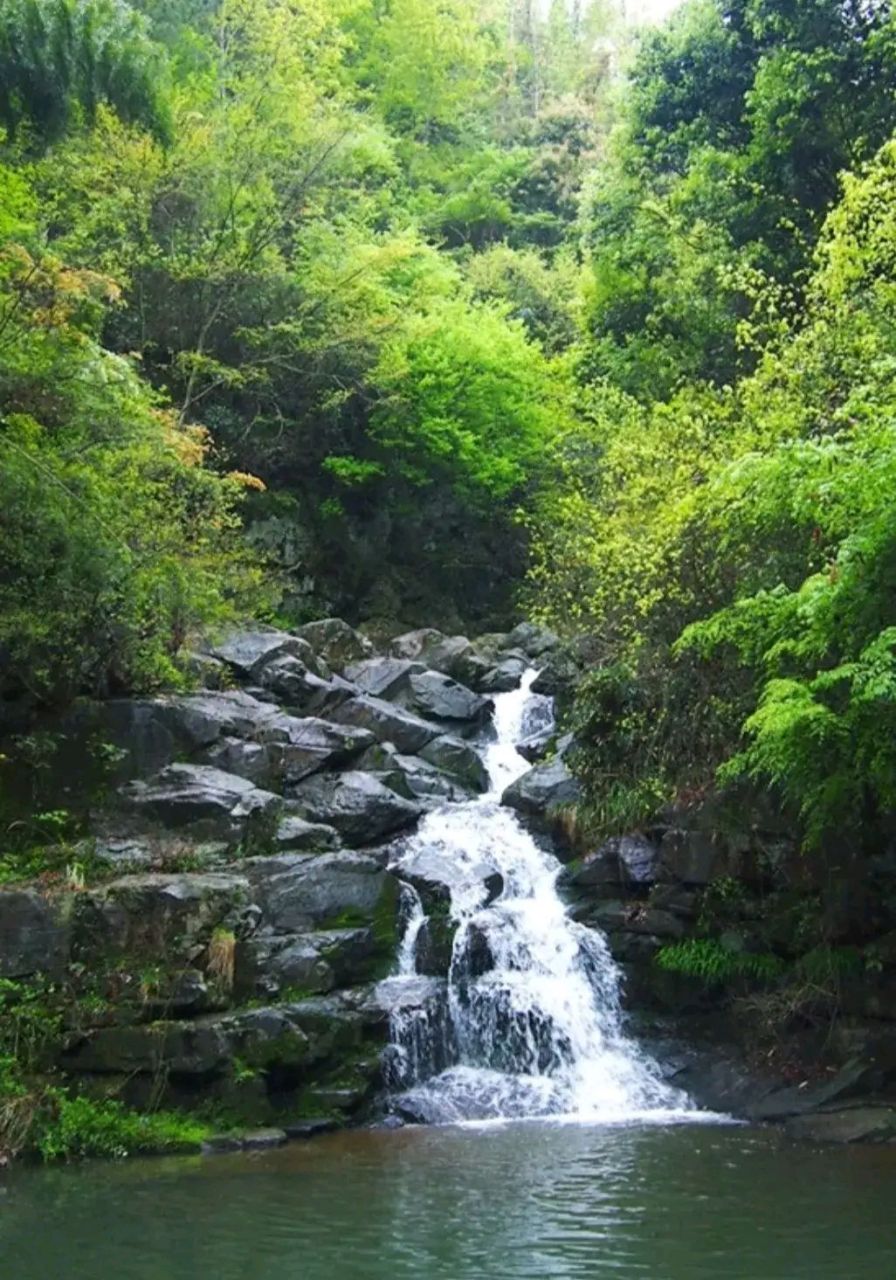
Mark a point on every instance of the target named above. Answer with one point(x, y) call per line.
point(529, 1024)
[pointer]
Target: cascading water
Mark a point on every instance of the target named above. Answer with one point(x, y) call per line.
point(529, 1022)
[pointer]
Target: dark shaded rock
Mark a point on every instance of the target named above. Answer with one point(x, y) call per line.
point(626, 861)
point(302, 1130)
point(411, 776)
point(298, 892)
point(691, 857)
point(122, 856)
point(220, 1144)
point(434, 946)
point(558, 675)
point(416, 645)
point(248, 652)
point(171, 915)
point(458, 759)
point(504, 676)
point(289, 680)
point(383, 677)
point(854, 1080)
point(544, 788)
point(294, 834)
point(33, 935)
point(335, 641)
point(209, 672)
point(359, 807)
point(313, 962)
point(263, 1139)
point(872, 1124)
point(304, 746)
point(439, 697)
point(387, 723)
point(207, 802)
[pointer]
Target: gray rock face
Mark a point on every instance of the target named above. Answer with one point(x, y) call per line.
point(415, 645)
point(544, 788)
point(504, 675)
point(534, 747)
point(299, 892)
point(291, 748)
point(33, 937)
point(295, 835)
point(631, 861)
point(316, 961)
point(457, 759)
point(247, 653)
point(387, 723)
point(170, 914)
point(289, 680)
point(359, 807)
point(383, 677)
point(439, 697)
point(335, 642)
point(207, 802)
point(532, 639)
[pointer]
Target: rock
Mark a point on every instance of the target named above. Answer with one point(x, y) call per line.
point(545, 788)
point(314, 962)
point(599, 869)
point(33, 935)
point(123, 855)
point(416, 645)
point(504, 676)
point(207, 802)
point(855, 1079)
point(220, 1144)
point(302, 1130)
point(534, 747)
point(558, 675)
point(874, 1124)
point(532, 639)
point(209, 672)
point(336, 642)
point(411, 776)
point(690, 857)
point(263, 1139)
point(249, 652)
point(305, 746)
point(387, 723)
point(439, 697)
point(630, 861)
point(300, 891)
point(359, 807)
point(171, 915)
point(293, 685)
point(458, 759)
point(294, 834)
point(383, 677)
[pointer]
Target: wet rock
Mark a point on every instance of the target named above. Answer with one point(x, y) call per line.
point(33, 935)
point(314, 962)
point(534, 747)
point(304, 746)
point(387, 723)
point(205, 801)
point(458, 759)
point(545, 788)
point(220, 1144)
point(263, 1139)
point(627, 861)
point(439, 697)
point(411, 776)
point(298, 892)
point(873, 1124)
point(384, 678)
point(302, 1130)
point(505, 675)
point(289, 680)
point(248, 652)
point(558, 675)
point(335, 642)
point(169, 914)
point(356, 805)
point(854, 1080)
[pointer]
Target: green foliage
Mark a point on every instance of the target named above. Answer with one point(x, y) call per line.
point(708, 960)
point(79, 1127)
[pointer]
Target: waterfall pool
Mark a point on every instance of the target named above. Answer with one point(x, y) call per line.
point(512, 1201)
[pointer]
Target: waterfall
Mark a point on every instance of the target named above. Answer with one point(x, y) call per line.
point(529, 1020)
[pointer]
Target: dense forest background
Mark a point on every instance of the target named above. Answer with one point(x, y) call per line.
point(442, 312)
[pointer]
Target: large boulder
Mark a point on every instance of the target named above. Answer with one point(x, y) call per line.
point(452, 655)
point(532, 639)
point(291, 682)
point(505, 674)
point(248, 652)
point(33, 935)
point(359, 807)
point(335, 642)
point(458, 759)
point(544, 789)
point(206, 802)
point(166, 915)
point(332, 890)
point(387, 723)
point(313, 962)
point(439, 697)
point(308, 745)
point(416, 645)
point(295, 835)
point(383, 677)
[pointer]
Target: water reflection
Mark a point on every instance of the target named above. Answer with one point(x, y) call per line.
point(521, 1202)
